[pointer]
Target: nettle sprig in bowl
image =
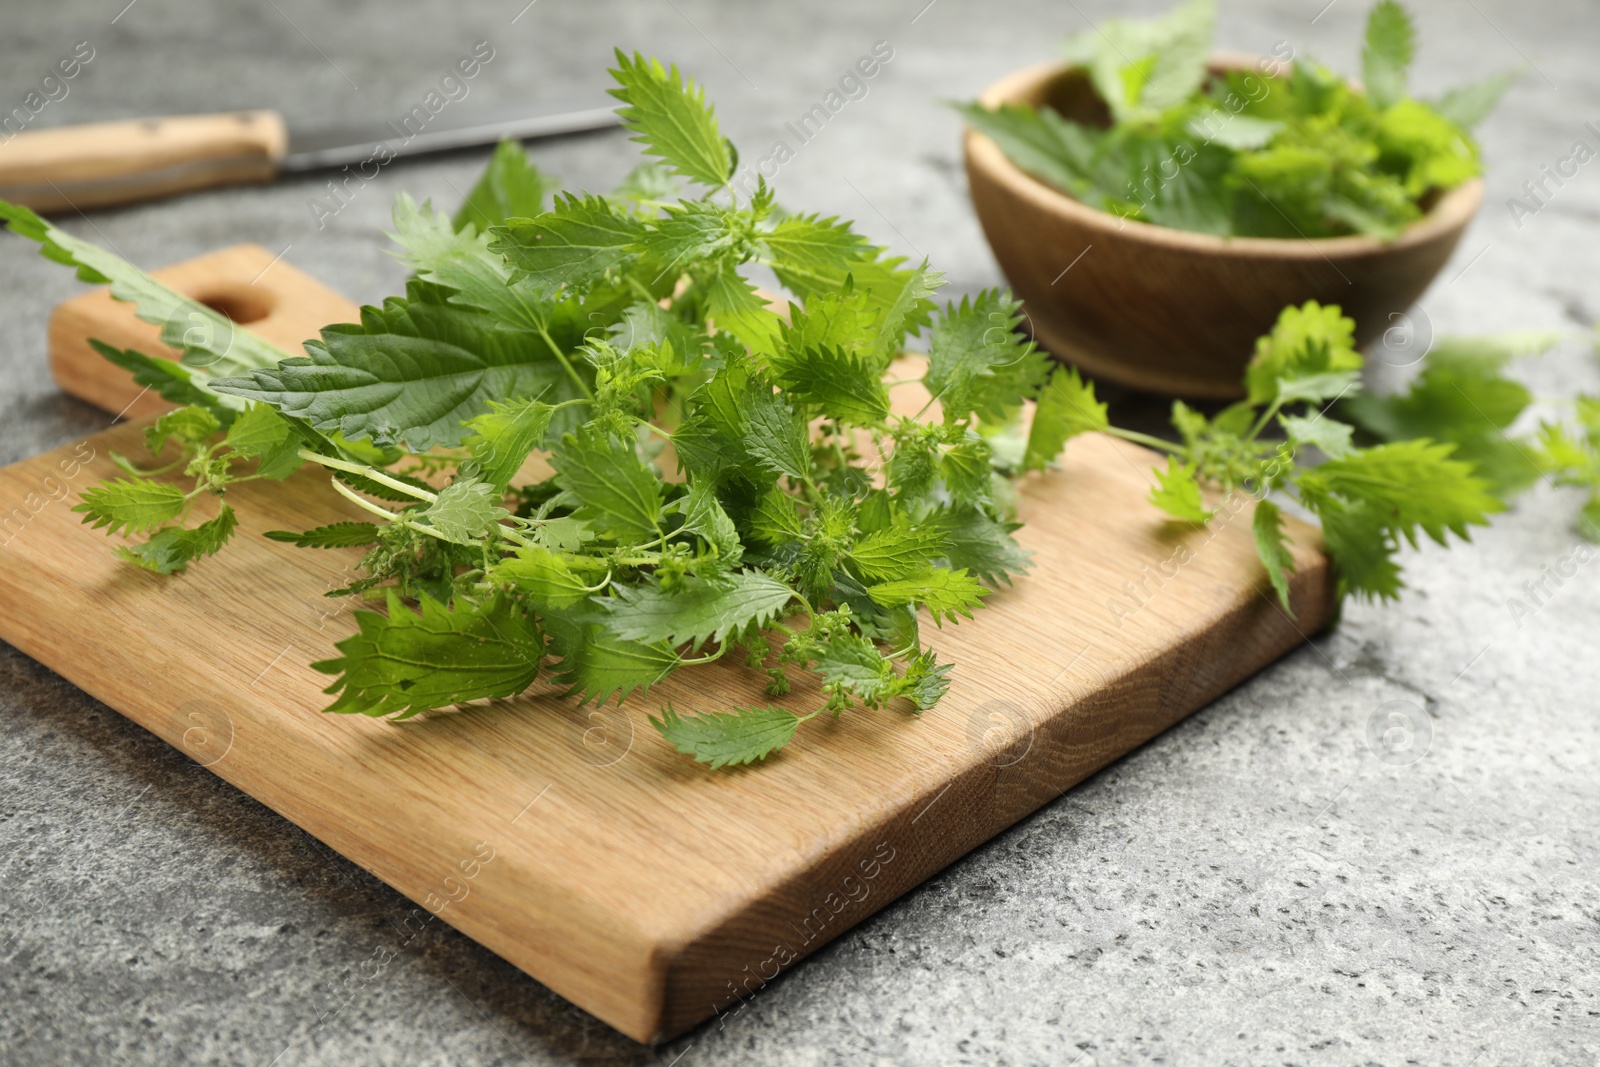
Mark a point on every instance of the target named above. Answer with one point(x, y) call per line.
point(724, 482)
point(1229, 184)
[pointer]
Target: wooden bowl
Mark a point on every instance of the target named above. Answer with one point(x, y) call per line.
point(1168, 310)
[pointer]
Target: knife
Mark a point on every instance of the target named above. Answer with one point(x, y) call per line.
point(100, 164)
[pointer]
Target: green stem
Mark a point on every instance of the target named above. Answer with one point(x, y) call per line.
point(1143, 439)
point(368, 472)
point(566, 364)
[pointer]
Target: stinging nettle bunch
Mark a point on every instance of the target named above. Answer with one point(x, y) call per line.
point(726, 481)
point(1293, 153)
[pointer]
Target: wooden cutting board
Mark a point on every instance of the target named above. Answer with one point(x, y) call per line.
point(573, 841)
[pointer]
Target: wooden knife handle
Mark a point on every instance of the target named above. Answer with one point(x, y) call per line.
point(74, 167)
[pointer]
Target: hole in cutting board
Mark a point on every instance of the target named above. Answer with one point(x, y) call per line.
point(241, 306)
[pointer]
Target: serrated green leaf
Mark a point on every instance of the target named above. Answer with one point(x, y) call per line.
point(131, 505)
point(502, 438)
point(812, 249)
point(705, 517)
point(977, 363)
point(334, 535)
point(671, 118)
point(261, 432)
point(170, 379)
point(1390, 46)
point(1177, 492)
point(899, 551)
point(571, 245)
point(410, 372)
point(598, 665)
point(1329, 436)
point(1468, 105)
point(696, 610)
point(464, 511)
point(618, 494)
point(460, 261)
point(205, 337)
point(724, 738)
point(1405, 486)
point(410, 662)
point(777, 439)
point(541, 576)
point(510, 187)
point(839, 384)
point(945, 593)
point(1273, 548)
point(733, 305)
point(170, 551)
point(1067, 407)
point(188, 425)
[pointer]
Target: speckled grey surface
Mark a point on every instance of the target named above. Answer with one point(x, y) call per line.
point(1256, 886)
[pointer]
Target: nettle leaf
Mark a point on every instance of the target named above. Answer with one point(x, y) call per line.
point(1406, 486)
point(728, 738)
point(334, 535)
point(898, 551)
point(1067, 408)
point(696, 610)
point(187, 425)
point(464, 511)
point(671, 118)
point(807, 252)
point(945, 593)
point(776, 438)
point(851, 663)
point(976, 542)
point(504, 436)
point(409, 662)
point(1042, 143)
point(170, 551)
point(734, 305)
point(705, 517)
point(693, 231)
point(598, 665)
point(572, 245)
point(460, 260)
point(1273, 547)
point(1329, 436)
point(1390, 46)
point(978, 363)
point(1468, 105)
point(618, 493)
point(410, 372)
point(510, 187)
point(262, 433)
point(840, 384)
point(1141, 67)
point(131, 505)
point(170, 379)
point(1177, 493)
point(205, 337)
point(541, 576)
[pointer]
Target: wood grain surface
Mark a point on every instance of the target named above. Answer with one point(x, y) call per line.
point(69, 168)
point(575, 842)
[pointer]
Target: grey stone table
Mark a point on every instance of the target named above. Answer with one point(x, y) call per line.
point(1256, 886)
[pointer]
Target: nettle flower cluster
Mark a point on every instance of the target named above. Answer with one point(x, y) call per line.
point(724, 481)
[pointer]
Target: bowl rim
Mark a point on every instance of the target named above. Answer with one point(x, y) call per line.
point(1454, 210)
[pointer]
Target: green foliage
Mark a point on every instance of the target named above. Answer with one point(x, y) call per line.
point(511, 187)
point(728, 738)
point(722, 478)
point(1250, 153)
point(1369, 498)
point(407, 662)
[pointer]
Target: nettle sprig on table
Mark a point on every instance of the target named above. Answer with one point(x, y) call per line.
point(725, 481)
point(1271, 152)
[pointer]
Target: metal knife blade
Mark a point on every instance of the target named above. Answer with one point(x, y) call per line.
point(345, 145)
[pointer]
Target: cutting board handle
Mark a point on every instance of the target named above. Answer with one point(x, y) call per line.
point(105, 163)
point(250, 285)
